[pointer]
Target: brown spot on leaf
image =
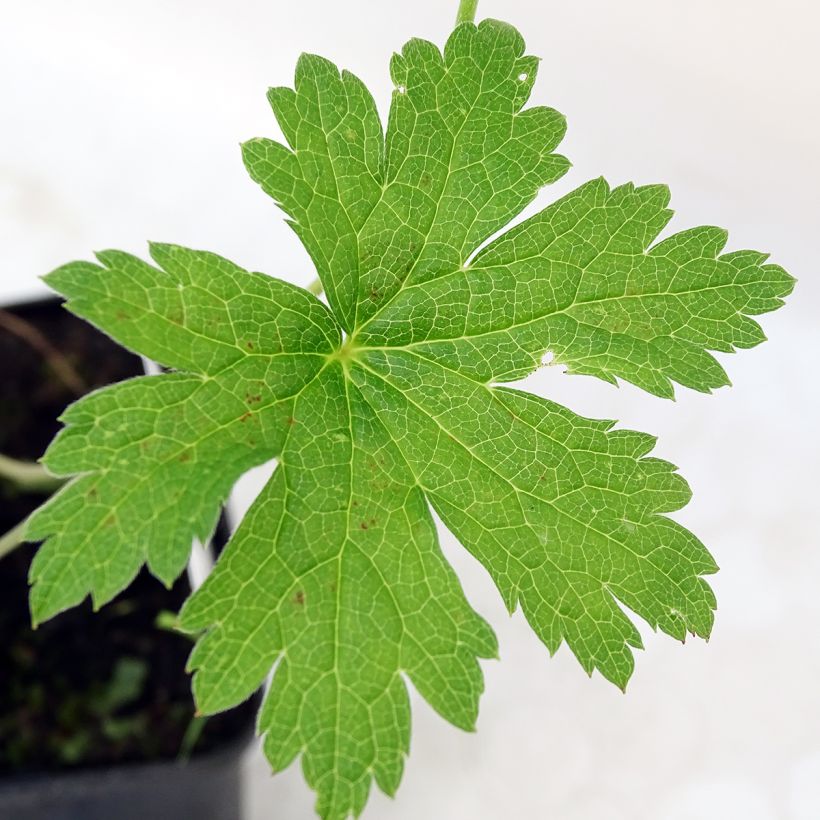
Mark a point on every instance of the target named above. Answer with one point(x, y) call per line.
point(299, 598)
point(363, 525)
point(183, 457)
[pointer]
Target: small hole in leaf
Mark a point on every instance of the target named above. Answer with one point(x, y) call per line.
point(523, 76)
point(402, 89)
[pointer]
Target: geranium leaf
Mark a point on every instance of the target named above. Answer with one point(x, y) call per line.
point(386, 405)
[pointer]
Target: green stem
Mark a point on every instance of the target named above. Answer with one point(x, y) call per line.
point(59, 364)
point(28, 476)
point(315, 287)
point(466, 11)
point(13, 538)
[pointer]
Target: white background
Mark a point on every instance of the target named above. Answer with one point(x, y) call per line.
point(120, 122)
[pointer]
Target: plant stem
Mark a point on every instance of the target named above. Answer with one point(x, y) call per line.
point(60, 365)
point(466, 11)
point(28, 476)
point(13, 538)
point(315, 287)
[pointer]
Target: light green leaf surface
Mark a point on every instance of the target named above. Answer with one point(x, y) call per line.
point(336, 574)
point(461, 159)
point(387, 405)
point(561, 512)
point(580, 281)
point(156, 457)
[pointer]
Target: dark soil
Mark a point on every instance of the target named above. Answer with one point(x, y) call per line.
point(85, 689)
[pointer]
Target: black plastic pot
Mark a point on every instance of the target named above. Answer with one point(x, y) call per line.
point(68, 661)
point(205, 788)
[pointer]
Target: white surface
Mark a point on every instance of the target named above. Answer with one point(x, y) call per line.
point(121, 122)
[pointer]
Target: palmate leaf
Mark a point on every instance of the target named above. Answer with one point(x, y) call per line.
point(387, 404)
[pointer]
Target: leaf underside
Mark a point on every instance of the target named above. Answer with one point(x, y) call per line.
point(387, 403)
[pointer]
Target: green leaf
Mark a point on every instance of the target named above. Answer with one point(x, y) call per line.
point(330, 180)
point(580, 281)
point(157, 457)
point(460, 160)
point(336, 575)
point(561, 512)
point(388, 404)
